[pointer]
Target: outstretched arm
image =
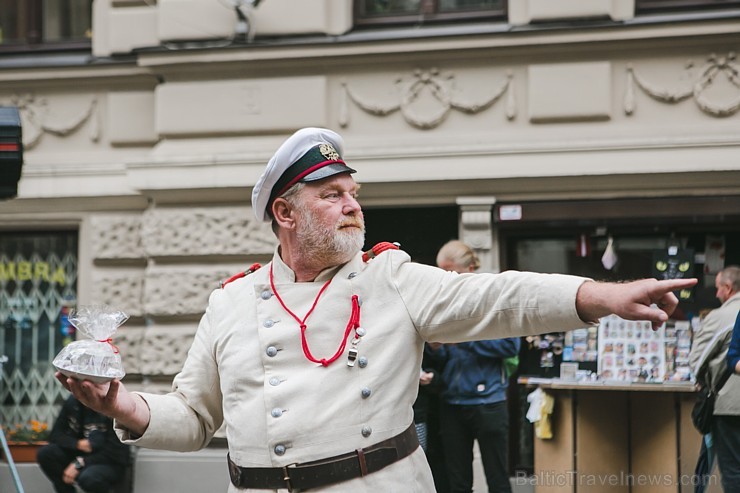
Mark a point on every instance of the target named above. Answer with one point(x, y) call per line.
point(111, 399)
point(647, 299)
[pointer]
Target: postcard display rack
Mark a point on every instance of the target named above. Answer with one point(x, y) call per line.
point(631, 351)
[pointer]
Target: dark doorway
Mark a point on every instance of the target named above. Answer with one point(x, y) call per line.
point(421, 231)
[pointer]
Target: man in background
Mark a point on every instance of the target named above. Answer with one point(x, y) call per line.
point(83, 449)
point(707, 359)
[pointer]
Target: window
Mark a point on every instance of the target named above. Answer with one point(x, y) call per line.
point(420, 11)
point(38, 287)
point(652, 6)
point(31, 24)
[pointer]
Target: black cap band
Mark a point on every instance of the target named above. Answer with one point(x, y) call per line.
point(321, 157)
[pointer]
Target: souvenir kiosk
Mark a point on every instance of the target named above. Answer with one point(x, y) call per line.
point(627, 426)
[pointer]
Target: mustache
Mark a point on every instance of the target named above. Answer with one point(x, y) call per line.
point(352, 222)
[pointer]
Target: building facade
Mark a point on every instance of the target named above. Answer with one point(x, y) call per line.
point(523, 127)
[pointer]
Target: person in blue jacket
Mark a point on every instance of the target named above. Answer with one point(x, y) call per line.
point(733, 353)
point(474, 399)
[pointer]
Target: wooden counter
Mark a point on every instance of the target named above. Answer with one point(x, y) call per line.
point(618, 437)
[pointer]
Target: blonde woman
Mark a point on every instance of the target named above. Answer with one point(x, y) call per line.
point(458, 257)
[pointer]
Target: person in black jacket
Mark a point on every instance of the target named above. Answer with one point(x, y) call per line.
point(426, 420)
point(83, 449)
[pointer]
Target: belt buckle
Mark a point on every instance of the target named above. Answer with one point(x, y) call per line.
point(286, 474)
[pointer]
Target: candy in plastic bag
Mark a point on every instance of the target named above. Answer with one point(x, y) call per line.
point(95, 359)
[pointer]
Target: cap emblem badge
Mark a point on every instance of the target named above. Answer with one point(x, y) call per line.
point(328, 151)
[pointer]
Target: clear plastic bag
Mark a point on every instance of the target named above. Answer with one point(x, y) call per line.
point(95, 359)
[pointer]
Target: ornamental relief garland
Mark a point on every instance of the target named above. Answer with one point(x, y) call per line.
point(715, 67)
point(438, 88)
point(36, 121)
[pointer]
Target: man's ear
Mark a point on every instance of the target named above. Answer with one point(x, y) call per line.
point(282, 211)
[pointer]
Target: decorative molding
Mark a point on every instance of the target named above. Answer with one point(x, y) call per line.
point(116, 237)
point(476, 229)
point(442, 90)
point(714, 67)
point(215, 231)
point(476, 226)
point(180, 292)
point(35, 117)
point(243, 106)
point(578, 91)
point(123, 290)
point(476, 220)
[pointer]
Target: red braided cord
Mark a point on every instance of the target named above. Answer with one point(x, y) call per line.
point(354, 322)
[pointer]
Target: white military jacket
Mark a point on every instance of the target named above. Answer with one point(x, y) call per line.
point(247, 368)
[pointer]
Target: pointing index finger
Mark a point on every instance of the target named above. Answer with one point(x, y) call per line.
point(675, 284)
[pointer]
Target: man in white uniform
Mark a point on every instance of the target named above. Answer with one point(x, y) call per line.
point(312, 361)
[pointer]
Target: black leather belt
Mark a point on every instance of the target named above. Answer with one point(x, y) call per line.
point(327, 471)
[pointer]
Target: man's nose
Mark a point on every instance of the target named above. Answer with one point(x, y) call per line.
point(351, 205)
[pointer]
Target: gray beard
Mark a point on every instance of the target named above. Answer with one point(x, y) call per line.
point(325, 245)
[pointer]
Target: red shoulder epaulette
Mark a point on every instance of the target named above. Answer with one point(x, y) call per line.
point(251, 269)
point(378, 249)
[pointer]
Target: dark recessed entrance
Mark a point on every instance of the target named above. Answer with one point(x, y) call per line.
point(421, 231)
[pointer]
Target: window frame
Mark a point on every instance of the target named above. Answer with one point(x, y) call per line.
point(429, 14)
point(660, 6)
point(32, 40)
